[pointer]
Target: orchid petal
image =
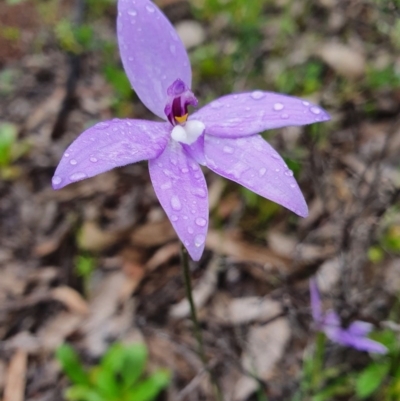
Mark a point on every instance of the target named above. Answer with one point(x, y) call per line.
point(244, 114)
point(315, 301)
point(253, 163)
point(366, 344)
point(359, 328)
point(108, 145)
point(181, 189)
point(151, 51)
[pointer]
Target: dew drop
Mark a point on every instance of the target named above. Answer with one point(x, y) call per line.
point(228, 149)
point(185, 217)
point(275, 156)
point(306, 103)
point(190, 230)
point(201, 222)
point(216, 104)
point(278, 106)
point(199, 240)
point(77, 176)
point(56, 180)
point(150, 9)
point(200, 192)
point(235, 96)
point(292, 186)
point(262, 171)
point(285, 116)
point(102, 125)
point(66, 154)
point(257, 95)
point(184, 170)
point(176, 203)
point(289, 173)
point(73, 162)
point(174, 218)
point(132, 13)
point(172, 49)
point(315, 110)
point(166, 185)
point(93, 160)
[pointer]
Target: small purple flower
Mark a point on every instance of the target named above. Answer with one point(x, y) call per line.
point(222, 135)
point(355, 335)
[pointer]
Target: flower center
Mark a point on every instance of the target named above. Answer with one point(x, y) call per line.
point(180, 97)
point(188, 133)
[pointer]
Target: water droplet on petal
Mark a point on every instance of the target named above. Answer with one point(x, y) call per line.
point(292, 185)
point(150, 9)
point(277, 170)
point(228, 149)
point(174, 218)
point(216, 104)
point(190, 230)
point(315, 110)
point(56, 180)
point(285, 116)
point(77, 176)
point(66, 154)
point(257, 95)
point(185, 217)
point(102, 125)
point(199, 240)
point(306, 103)
point(185, 170)
point(201, 222)
point(73, 162)
point(176, 203)
point(278, 106)
point(289, 173)
point(93, 160)
point(262, 171)
point(132, 12)
point(200, 192)
point(235, 96)
point(172, 49)
point(166, 185)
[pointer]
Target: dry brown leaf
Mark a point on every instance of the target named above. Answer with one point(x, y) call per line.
point(265, 346)
point(14, 389)
point(93, 238)
point(345, 60)
point(202, 292)
point(104, 303)
point(224, 243)
point(328, 275)
point(153, 234)
point(162, 255)
point(54, 333)
point(71, 299)
point(245, 310)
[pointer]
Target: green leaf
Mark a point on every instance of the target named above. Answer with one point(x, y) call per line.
point(82, 393)
point(147, 390)
point(8, 136)
point(371, 378)
point(72, 365)
point(134, 364)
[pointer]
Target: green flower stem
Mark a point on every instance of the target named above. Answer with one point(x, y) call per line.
point(196, 325)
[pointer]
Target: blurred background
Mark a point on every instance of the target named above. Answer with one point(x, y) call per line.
point(96, 264)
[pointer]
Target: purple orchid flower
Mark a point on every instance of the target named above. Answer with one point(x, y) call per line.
point(222, 135)
point(354, 336)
